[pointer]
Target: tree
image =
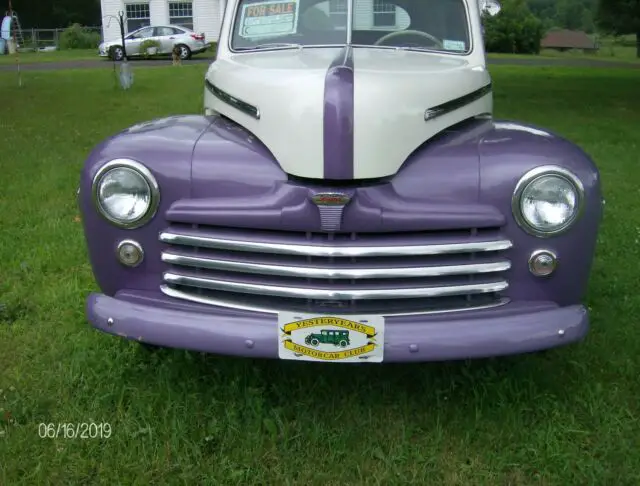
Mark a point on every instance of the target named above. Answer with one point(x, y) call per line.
point(620, 17)
point(514, 30)
point(565, 14)
point(51, 14)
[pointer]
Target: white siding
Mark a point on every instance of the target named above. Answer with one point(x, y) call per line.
point(363, 16)
point(207, 15)
point(159, 12)
point(110, 26)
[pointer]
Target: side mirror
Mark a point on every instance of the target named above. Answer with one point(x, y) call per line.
point(490, 7)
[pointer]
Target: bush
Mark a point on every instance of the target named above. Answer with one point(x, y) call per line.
point(148, 44)
point(78, 37)
point(514, 30)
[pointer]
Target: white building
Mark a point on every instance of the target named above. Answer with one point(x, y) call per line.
point(203, 16)
point(368, 14)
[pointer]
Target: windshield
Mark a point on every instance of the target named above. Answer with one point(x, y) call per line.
point(440, 25)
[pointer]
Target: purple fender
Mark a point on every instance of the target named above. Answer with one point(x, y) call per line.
point(211, 169)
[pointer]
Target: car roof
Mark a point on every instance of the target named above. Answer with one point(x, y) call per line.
point(186, 29)
point(179, 27)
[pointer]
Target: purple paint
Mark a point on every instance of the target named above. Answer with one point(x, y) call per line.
point(213, 172)
point(514, 328)
point(338, 118)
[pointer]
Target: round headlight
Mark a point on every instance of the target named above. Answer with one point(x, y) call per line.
point(547, 200)
point(126, 193)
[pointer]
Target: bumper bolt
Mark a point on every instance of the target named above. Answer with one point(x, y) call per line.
point(249, 343)
point(110, 322)
point(413, 348)
point(561, 332)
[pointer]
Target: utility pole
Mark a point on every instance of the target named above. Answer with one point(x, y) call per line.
point(121, 22)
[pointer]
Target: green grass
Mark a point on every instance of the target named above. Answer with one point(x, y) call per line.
point(51, 56)
point(607, 53)
point(559, 57)
point(31, 57)
point(620, 50)
point(564, 417)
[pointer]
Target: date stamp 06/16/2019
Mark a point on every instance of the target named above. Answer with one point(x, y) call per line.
point(78, 430)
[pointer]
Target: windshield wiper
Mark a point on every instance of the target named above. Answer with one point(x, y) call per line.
point(270, 45)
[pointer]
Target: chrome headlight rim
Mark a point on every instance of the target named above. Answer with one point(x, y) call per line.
point(532, 176)
point(146, 174)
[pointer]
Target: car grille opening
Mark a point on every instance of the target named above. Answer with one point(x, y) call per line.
point(347, 273)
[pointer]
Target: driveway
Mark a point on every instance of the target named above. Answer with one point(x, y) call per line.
point(94, 64)
point(103, 63)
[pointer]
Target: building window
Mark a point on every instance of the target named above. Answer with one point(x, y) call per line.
point(338, 12)
point(181, 13)
point(137, 16)
point(384, 14)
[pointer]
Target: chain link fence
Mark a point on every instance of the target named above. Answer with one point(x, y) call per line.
point(45, 39)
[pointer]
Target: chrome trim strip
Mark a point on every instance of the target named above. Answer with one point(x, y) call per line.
point(325, 272)
point(178, 294)
point(333, 294)
point(243, 106)
point(333, 251)
point(457, 103)
point(349, 22)
point(530, 177)
point(154, 192)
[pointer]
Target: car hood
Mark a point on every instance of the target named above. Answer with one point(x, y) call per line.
point(346, 113)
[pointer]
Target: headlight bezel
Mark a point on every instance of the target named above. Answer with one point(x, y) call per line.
point(532, 176)
point(145, 173)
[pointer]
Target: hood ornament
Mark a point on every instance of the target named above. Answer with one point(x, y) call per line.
point(331, 206)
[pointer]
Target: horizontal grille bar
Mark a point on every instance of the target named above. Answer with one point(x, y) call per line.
point(335, 293)
point(333, 251)
point(244, 304)
point(333, 272)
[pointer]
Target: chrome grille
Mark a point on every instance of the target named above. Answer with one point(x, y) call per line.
point(391, 274)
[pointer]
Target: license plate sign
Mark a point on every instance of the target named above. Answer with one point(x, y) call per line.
point(330, 338)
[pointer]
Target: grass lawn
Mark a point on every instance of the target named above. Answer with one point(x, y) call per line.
point(558, 57)
point(564, 417)
point(622, 50)
point(51, 56)
point(608, 52)
point(32, 57)
point(621, 54)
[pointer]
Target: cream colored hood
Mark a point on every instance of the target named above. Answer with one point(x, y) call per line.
point(348, 113)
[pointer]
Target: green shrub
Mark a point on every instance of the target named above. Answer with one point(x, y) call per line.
point(514, 30)
point(148, 44)
point(78, 37)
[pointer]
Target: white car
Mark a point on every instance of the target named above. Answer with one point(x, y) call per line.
point(168, 36)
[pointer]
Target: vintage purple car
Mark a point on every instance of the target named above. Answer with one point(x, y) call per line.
point(346, 197)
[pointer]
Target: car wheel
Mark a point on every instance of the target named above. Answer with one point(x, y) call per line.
point(185, 52)
point(343, 344)
point(116, 53)
point(315, 342)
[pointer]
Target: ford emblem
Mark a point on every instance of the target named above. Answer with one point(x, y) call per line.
point(330, 199)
